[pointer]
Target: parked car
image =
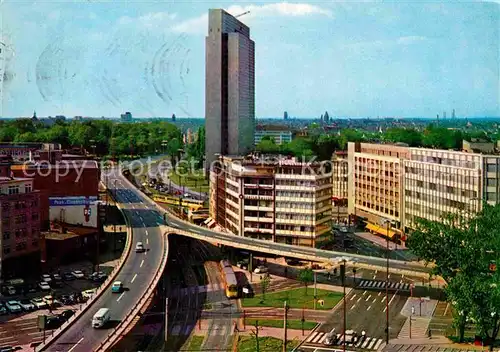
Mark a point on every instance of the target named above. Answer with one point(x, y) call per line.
point(292, 261)
point(13, 306)
point(51, 301)
point(68, 277)
point(30, 288)
point(57, 277)
point(98, 277)
point(139, 247)
point(53, 322)
point(39, 303)
point(78, 274)
point(26, 305)
point(66, 299)
point(10, 348)
point(261, 269)
point(65, 315)
point(3, 310)
point(10, 290)
point(87, 294)
point(242, 264)
point(44, 286)
point(46, 278)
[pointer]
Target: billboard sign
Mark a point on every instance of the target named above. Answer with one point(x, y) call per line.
point(80, 210)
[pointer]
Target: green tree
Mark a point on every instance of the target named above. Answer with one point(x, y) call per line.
point(462, 248)
point(410, 136)
point(265, 281)
point(306, 276)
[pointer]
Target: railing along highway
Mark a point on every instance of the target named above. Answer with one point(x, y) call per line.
point(122, 327)
point(54, 334)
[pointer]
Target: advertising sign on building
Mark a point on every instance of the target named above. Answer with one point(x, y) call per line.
point(74, 210)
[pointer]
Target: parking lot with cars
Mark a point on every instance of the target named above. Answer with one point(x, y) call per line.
point(56, 295)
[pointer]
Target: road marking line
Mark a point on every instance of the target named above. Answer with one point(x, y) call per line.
point(359, 299)
point(145, 252)
point(133, 279)
point(147, 233)
point(368, 298)
point(383, 299)
point(370, 307)
point(353, 297)
point(142, 263)
point(389, 276)
point(374, 300)
point(147, 240)
point(120, 297)
point(374, 277)
point(365, 292)
point(353, 306)
point(76, 344)
point(379, 294)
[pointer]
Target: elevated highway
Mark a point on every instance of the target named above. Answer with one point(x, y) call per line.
point(150, 223)
point(137, 273)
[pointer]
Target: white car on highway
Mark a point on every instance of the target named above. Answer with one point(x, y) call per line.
point(78, 274)
point(13, 306)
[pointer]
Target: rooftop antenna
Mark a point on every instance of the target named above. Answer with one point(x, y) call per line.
point(242, 14)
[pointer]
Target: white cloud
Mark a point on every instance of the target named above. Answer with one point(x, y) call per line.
point(411, 39)
point(199, 25)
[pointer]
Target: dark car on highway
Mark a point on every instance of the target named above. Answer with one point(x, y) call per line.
point(53, 322)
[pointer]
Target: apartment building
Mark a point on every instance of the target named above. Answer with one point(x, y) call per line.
point(281, 200)
point(374, 185)
point(440, 181)
point(20, 240)
point(401, 184)
point(340, 174)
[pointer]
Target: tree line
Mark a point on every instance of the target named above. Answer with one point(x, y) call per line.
point(102, 137)
point(322, 144)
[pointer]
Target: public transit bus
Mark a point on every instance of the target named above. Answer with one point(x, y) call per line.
point(230, 283)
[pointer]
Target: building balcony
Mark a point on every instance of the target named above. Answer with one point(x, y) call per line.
point(298, 222)
point(295, 233)
point(257, 229)
point(296, 177)
point(294, 210)
point(259, 219)
point(295, 188)
point(258, 208)
point(258, 197)
point(251, 185)
point(296, 199)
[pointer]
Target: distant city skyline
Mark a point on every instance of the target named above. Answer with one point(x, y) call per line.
point(350, 59)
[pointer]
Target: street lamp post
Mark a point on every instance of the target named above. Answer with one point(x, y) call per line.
point(342, 275)
point(388, 224)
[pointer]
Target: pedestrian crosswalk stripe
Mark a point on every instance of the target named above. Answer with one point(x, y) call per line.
point(382, 284)
point(311, 337)
point(317, 338)
point(369, 343)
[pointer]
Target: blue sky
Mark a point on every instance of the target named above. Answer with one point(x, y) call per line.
point(349, 58)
